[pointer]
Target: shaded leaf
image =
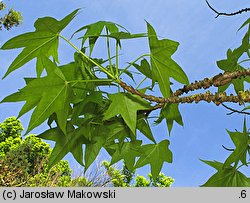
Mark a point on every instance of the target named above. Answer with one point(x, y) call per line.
point(99, 136)
point(71, 142)
point(171, 113)
point(128, 151)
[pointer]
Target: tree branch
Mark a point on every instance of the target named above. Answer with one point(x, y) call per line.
point(234, 110)
point(217, 98)
point(227, 14)
point(216, 81)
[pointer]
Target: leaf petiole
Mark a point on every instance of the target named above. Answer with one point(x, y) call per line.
point(87, 81)
point(117, 59)
point(141, 82)
point(130, 64)
point(109, 55)
point(91, 60)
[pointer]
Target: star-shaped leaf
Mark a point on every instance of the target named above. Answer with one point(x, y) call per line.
point(231, 64)
point(240, 140)
point(226, 177)
point(50, 94)
point(144, 68)
point(128, 151)
point(155, 155)
point(163, 66)
point(72, 142)
point(171, 113)
point(144, 127)
point(127, 106)
point(94, 30)
point(42, 42)
point(99, 136)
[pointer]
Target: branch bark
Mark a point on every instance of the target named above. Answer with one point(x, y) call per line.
point(227, 14)
point(217, 98)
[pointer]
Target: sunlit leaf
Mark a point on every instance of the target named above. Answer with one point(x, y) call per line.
point(94, 30)
point(48, 94)
point(42, 42)
point(163, 66)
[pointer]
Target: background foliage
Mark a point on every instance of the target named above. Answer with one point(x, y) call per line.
point(11, 19)
point(24, 162)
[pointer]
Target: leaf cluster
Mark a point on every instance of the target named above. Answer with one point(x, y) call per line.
point(86, 102)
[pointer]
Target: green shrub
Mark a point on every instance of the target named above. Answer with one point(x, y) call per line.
point(24, 162)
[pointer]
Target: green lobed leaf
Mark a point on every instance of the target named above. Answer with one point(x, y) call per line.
point(98, 139)
point(128, 151)
point(215, 164)
point(118, 130)
point(71, 142)
point(171, 113)
point(94, 30)
point(48, 94)
point(231, 64)
point(228, 177)
point(144, 68)
point(240, 140)
point(155, 155)
point(163, 66)
point(144, 127)
point(42, 42)
point(127, 106)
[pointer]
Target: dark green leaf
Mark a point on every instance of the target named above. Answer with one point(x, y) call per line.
point(128, 151)
point(171, 113)
point(71, 142)
point(99, 136)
